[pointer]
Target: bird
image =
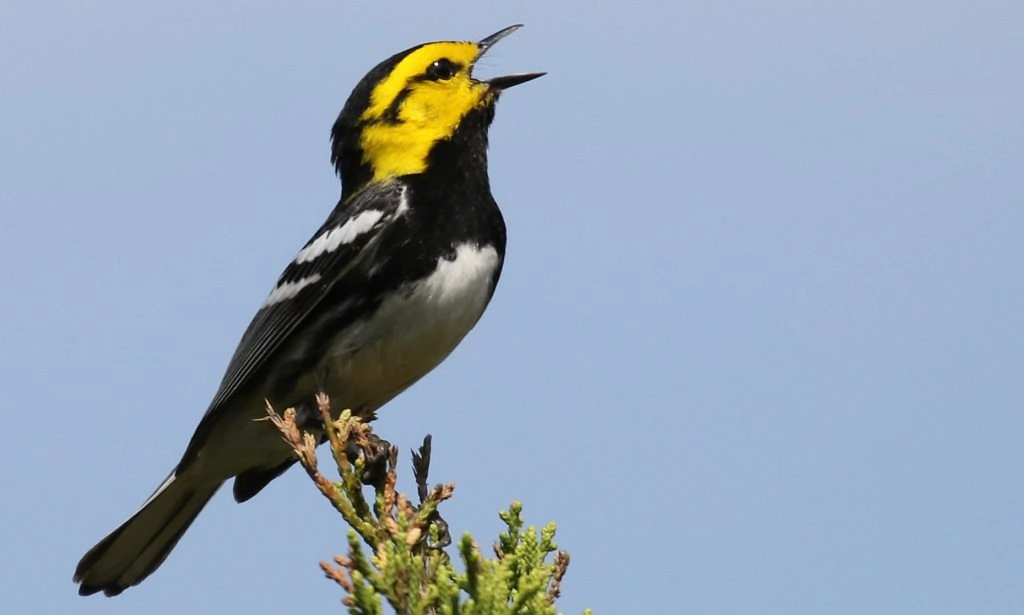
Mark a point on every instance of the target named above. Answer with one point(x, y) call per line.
point(401, 270)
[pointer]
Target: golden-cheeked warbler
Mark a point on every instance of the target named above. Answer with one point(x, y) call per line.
point(386, 288)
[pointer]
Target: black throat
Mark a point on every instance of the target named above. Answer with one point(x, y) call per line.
point(458, 161)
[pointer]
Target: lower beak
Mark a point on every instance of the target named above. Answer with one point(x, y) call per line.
point(503, 83)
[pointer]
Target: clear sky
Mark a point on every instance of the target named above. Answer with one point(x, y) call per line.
point(758, 345)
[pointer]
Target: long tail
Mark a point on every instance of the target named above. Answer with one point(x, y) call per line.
point(135, 549)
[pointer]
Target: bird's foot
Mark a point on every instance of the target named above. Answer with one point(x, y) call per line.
point(375, 452)
point(444, 537)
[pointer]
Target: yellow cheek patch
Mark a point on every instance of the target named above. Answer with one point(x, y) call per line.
point(429, 112)
point(413, 66)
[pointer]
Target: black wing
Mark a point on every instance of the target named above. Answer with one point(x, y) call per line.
point(350, 232)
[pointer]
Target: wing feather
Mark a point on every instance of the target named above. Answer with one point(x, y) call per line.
point(349, 233)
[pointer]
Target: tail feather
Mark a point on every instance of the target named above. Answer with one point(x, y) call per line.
point(135, 549)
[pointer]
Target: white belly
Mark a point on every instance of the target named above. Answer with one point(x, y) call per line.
point(411, 332)
point(371, 361)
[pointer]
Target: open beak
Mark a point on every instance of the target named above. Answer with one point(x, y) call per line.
point(506, 81)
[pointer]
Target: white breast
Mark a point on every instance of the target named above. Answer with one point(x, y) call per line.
point(412, 331)
point(370, 361)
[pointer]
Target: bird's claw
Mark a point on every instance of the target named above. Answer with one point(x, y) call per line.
point(375, 454)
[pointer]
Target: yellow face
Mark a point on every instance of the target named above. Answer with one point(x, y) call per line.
point(420, 102)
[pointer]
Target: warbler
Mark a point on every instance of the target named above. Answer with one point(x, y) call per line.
point(386, 288)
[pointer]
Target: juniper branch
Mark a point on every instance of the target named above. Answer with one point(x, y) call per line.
point(406, 565)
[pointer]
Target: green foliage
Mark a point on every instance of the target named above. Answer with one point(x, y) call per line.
point(396, 549)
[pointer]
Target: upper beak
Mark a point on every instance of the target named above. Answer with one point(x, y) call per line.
point(506, 81)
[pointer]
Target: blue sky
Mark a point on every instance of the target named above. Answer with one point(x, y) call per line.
point(757, 346)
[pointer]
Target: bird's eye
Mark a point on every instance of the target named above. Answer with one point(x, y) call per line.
point(442, 70)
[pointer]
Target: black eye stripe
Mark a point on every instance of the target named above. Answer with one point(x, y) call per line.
point(442, 70)
point(439, 70)
point(391, 114)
